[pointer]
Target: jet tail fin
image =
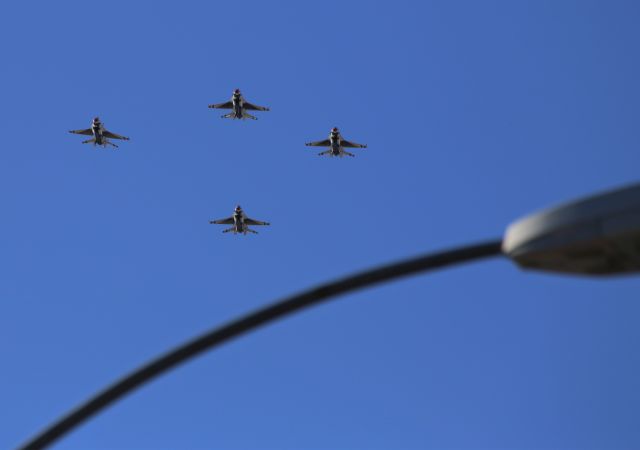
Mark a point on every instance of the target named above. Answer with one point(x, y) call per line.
point(89, 141)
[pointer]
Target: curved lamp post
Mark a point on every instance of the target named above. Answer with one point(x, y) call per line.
point(599, 235)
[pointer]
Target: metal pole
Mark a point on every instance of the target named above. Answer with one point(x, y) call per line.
point(252, 321)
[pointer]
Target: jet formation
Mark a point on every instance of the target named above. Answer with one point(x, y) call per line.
point(100, 134)
point(239, 106)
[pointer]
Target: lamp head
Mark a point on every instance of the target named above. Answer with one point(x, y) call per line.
point(598, 235)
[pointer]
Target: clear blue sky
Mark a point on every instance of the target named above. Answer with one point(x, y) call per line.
point(475, 113)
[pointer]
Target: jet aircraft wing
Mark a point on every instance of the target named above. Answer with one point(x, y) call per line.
point(254, 222)
point(87, 132)
point(226, 221)
point(349, 144)
point(111, 135)
point(324, 143)
point(252, 107)
point(225, 105)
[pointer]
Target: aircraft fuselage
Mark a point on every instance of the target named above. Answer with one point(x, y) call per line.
point(335, 144)
point(97, 133)
point(238, 223)
point(237, 106)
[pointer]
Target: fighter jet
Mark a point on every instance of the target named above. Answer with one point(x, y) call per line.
point(100, 134)
point(336, 143)
point(240, 222)
point(239, 107)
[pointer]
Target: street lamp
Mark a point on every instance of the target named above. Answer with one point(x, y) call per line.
point(599, 235)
